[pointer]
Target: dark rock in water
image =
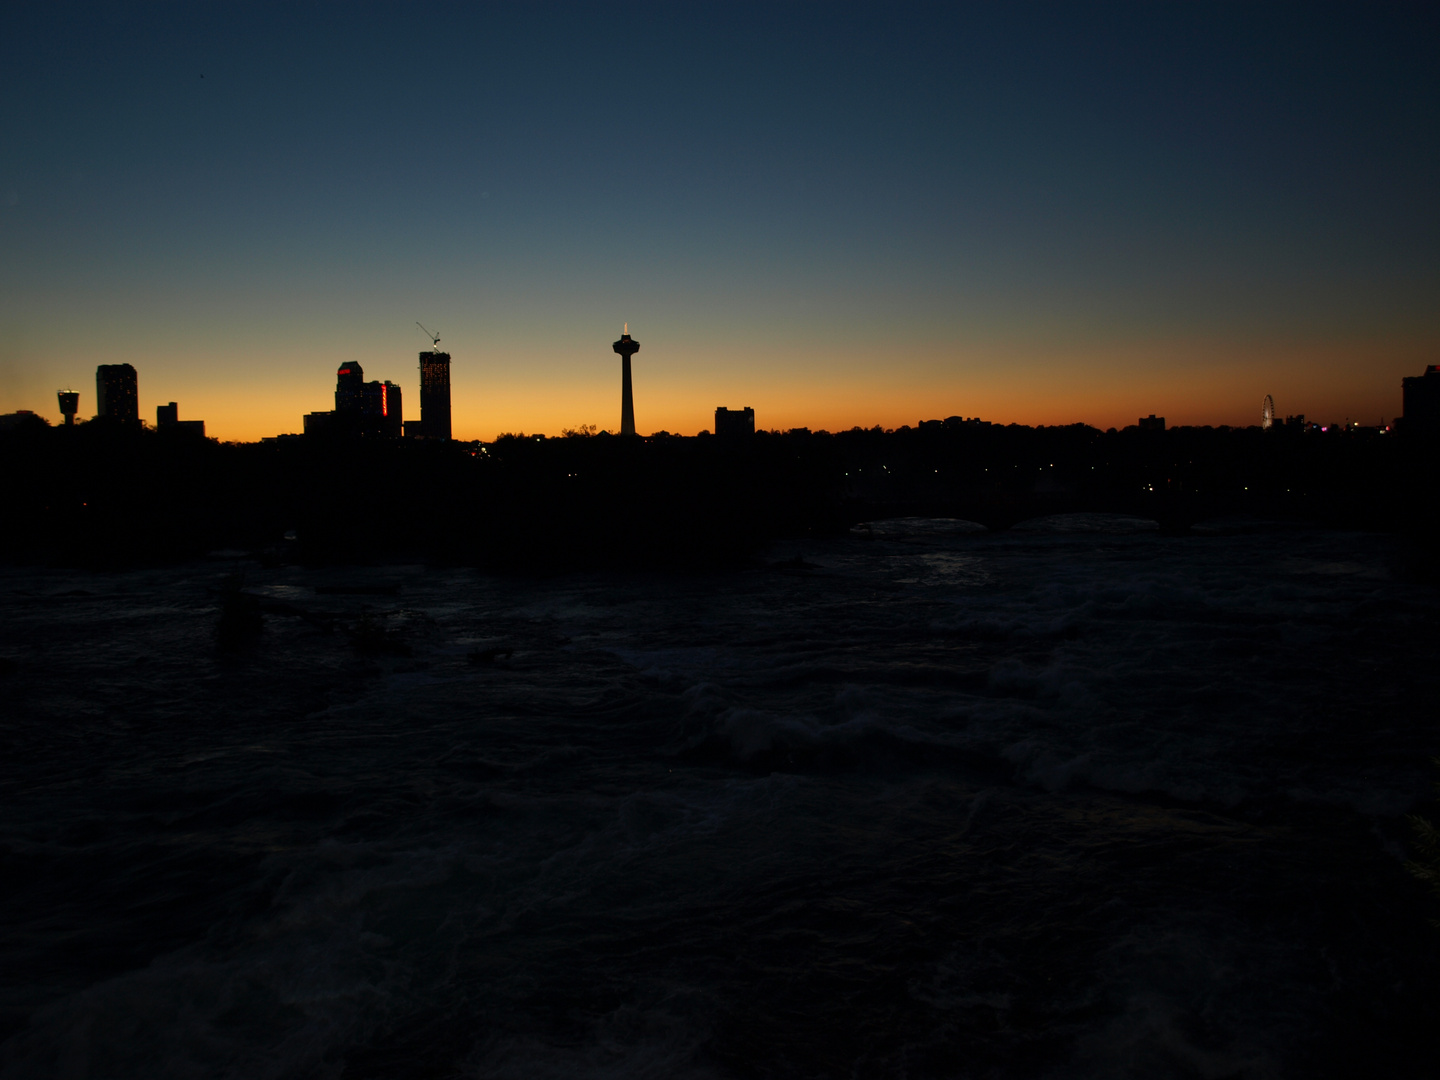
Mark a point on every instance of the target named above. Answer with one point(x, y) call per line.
point(489, 656)
point(358, 590)
point(241, 621)
point(797, 565)
point(1416, 556)
point(370, 638)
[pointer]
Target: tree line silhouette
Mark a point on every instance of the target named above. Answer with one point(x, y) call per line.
point(105, 494)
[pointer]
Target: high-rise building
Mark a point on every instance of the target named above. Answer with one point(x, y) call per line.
point(1422, 403)
point(394, 410)
point(383, 412)
point(626, 347)
point(733, 422)
point(117, 392)
point(361, 408)
point(69, 405)
point(434, 395)
point(1151, 423)
point(350, 389)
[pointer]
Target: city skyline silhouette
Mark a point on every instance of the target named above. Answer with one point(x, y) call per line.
point(434, 361)
point(1038, 215)
point(978, 620)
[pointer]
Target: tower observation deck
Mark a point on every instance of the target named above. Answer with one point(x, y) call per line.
point(69, 405)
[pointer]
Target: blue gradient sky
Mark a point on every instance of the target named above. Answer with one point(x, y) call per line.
point(838, 215)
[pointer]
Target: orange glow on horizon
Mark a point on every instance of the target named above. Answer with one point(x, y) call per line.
point(678, 386)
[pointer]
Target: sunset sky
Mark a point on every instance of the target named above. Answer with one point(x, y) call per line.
point(836, 214)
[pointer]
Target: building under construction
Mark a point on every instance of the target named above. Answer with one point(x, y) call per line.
point(434, 422)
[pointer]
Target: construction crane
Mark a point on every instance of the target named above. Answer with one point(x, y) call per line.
point(434, 338)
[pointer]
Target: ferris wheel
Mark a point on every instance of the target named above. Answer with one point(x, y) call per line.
point(1267, 412)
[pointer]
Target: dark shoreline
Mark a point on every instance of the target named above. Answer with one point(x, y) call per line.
point(102, 495)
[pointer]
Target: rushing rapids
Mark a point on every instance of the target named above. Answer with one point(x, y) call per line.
point(1079, 799)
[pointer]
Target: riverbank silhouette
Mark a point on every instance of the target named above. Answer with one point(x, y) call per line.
point(120, 495)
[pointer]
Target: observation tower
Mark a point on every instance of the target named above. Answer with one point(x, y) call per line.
point(69, 405)
point(626, 347)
